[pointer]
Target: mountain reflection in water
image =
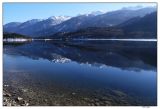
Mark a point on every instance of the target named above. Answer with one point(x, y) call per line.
point(89, 65)
point(125, 55)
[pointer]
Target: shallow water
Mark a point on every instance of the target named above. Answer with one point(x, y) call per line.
point(83, 72)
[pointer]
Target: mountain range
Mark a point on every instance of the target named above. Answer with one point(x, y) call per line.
point(32, 26)
point(128, 21)
point(138, 27)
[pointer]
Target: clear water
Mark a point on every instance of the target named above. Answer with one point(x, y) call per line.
point(83, 72)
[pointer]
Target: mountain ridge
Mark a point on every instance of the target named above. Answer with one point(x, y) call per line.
point(138, 27)
point(50, 26)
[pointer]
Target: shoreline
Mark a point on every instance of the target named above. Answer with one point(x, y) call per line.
point(24, 97)
point(11, 98)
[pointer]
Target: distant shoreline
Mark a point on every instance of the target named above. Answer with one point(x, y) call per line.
point(155, 40)
point(26, 40)
point(16, 40)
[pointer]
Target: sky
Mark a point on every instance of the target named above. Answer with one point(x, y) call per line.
point(20, 12)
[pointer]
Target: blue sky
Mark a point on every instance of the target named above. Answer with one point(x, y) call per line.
point(20, 12)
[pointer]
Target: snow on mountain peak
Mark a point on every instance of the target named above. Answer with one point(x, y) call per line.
point(61, 18)
point(93, 13)
point(54, 20)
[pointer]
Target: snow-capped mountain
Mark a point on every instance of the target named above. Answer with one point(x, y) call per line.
point(56, 24)
point(103, 20)
point(60, 18)
point(30, 27)
point(54, 20)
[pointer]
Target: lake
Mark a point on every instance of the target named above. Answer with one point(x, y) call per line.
point(81, 73)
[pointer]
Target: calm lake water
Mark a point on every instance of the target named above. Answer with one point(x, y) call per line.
point(82, 72)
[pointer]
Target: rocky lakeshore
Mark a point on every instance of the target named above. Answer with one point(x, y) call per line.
point(26, 89)
point(11, 98)
point(18, 97)
point(28, 92)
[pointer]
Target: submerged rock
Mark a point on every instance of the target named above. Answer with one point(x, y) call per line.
point(19, 98)
point(73, 93)
point(7, 94)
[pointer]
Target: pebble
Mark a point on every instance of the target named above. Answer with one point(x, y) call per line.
point(27, 104)
point(97, 104)
point(73, 93)
point(5, 100)
point(45, 100)
point(19, 98)
point(7, 94)
point(6, 85)
point(107, 102)
point(24, 90)
point(9, 104)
